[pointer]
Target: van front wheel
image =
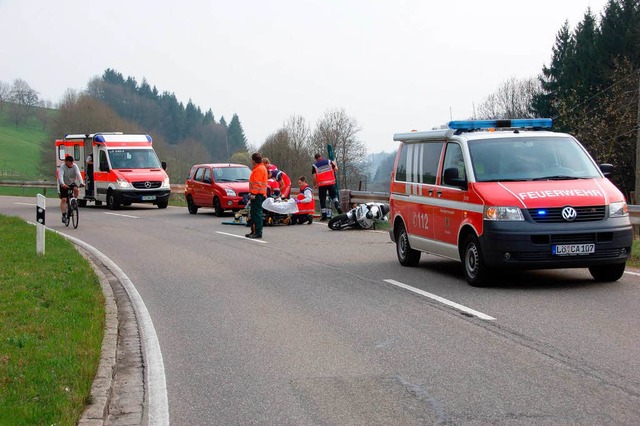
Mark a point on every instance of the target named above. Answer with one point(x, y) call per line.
point(113, 203)
point(607, 273)
point(406, 255)
point(475, 271)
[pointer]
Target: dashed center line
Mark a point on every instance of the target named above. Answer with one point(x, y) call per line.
point(442, 300)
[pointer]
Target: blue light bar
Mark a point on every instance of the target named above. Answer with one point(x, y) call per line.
point(494, 124)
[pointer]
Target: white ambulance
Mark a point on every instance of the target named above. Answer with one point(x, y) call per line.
point(125, 168)
point(506, 194)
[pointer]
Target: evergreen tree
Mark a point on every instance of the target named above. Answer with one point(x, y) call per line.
point(236, 138)
point(555, 78)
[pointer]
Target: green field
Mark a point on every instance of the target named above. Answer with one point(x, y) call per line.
point(21, 149)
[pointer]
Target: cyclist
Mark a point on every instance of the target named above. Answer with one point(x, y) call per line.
point(68, 174)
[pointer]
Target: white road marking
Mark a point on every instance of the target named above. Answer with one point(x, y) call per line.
point(26, 204)
point(257, 240)
point(442, 300)
point(123, 215)
point(632, 273)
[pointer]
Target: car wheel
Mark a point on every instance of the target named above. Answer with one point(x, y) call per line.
point(406, 255)
point(607, 273)
point(193, 209)
point(475, 271)
point(218, 207)
point(112, 201)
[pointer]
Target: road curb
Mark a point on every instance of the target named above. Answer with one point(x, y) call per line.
point(96, 411)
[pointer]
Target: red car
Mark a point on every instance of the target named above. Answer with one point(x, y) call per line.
point(223, 186)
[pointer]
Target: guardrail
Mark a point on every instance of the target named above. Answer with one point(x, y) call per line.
point(347, 196)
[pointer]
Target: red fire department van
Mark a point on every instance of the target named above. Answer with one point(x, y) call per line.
point(506, 194)
point(126, 169)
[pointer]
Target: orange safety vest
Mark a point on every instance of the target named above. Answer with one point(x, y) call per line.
point(258, 180)
point(325, 175)
point(310, 206)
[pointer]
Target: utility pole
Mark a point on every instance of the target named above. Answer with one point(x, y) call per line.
point(637, 189)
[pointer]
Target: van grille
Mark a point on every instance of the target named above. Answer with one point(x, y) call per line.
point(554, 215)
point(151, 184)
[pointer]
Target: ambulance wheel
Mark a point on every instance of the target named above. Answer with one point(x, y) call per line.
point(193, 209)
point(475, 271)
point(98, 203)
point(218, 207)
point(82, 203)
point(113, 203)
point(406, 255)
point(162, 204)
point(607, 273)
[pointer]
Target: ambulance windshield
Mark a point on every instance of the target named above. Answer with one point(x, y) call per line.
point(530, 158)
point(133, 159)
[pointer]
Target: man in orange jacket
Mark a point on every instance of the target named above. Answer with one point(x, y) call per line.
point(257, 194)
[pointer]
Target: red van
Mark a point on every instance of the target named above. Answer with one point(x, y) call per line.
point(506, 194)
point(222, 186)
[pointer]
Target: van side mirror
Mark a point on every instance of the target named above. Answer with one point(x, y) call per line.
point(607, 169)
point(164, 165)
point(451, 178)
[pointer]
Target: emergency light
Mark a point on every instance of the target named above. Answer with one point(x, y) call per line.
point(490, 124)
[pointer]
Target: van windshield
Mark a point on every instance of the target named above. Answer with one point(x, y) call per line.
point(231, 174)
point(531, 158)
point(133, 159)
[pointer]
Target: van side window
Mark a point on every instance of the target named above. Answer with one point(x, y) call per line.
point(453, 160)
point(401, 170)
point(418, 162)
point(430, 159)
point(104, 164)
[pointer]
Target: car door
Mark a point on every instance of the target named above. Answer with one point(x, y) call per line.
point(198, 188)
point(207, 187)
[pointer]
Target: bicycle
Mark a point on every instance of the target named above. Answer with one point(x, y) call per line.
point(72, 207)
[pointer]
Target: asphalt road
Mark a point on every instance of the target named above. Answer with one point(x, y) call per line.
point(310, 326)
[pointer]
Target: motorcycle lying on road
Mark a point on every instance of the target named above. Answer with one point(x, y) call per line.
point(362, 216)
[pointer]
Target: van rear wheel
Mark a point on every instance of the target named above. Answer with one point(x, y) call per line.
point(607, 273)
point(406, 255)
point(475, 270)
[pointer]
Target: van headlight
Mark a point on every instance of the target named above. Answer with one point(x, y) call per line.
point(230, 192)
point(165, 183)
point(618, 209)
point(503, 213)
point(123, 183)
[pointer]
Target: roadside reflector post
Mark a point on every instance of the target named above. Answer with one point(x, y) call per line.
point(41, 204)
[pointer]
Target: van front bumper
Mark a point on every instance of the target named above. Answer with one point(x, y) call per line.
point(519, 245)
point(154, 196)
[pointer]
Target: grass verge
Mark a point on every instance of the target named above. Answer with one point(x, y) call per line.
point(51, 328)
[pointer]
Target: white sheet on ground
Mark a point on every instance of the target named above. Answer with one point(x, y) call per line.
point(277, 205)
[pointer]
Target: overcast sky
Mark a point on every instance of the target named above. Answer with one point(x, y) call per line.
point(392, 65)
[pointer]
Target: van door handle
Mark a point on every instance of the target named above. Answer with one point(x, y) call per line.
point(430, 192)
point(439, 193)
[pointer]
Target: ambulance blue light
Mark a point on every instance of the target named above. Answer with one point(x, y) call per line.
point(99, 138)
point(492, 124)
point(542, 212)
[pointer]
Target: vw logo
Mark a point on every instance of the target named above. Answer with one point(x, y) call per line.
point(569, 214)
point(147, 184)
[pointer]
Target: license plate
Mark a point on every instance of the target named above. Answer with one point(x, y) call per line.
point(148, 197)
point(573, 249)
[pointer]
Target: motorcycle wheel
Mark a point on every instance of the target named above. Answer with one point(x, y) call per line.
point(339, 222)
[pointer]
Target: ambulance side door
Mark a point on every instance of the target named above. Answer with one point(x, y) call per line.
point(101, 175)
point(449, 208)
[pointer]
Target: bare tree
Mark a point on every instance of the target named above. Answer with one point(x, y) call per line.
point(24, 99)
point(340, 131)
point(43, 112)
point(513, 99)
point(5, 91)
